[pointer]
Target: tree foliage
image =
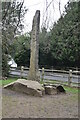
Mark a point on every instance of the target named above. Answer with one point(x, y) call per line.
point(64, 37)
point(12, 15)
point(21, 47)
point(58, 47)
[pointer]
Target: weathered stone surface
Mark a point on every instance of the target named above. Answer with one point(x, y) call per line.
point(33, 71)
point(29, 87)
point(50, 90)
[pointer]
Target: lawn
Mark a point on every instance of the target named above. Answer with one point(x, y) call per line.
point(9, 80)
point(71, 89)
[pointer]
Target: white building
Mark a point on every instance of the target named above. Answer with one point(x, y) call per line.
point(12, 63)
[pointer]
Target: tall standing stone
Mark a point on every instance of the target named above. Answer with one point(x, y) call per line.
point(33, 71)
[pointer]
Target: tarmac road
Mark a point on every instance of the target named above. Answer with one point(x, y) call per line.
point(50, 76)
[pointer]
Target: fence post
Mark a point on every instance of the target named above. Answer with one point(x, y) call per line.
point(42, 74)
point(52, 69)
point(76, 70)
point(70, 78)
point(22, 70)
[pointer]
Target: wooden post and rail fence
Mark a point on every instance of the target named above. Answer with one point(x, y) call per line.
point(44, 71)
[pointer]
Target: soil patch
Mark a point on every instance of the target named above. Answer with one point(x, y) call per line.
point(18, 105)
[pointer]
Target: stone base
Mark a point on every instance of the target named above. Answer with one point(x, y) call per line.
point(34, 88)
point(50, 90)
point(29, 87)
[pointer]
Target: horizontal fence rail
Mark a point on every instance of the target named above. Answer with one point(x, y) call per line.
point(71, 76)
point(49, 70)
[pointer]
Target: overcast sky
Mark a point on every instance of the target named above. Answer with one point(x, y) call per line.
point(51, 14)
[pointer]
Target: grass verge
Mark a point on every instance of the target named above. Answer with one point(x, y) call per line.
point(71, 89)
point(9, 80)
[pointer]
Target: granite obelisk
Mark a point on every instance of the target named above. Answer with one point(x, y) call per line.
point(33, 71)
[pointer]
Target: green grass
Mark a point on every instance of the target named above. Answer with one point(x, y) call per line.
point(9, 80)
point(71, 89)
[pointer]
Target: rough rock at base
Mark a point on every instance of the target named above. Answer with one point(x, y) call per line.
point(29, 87)
point(53, 89)
point(50, 90)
